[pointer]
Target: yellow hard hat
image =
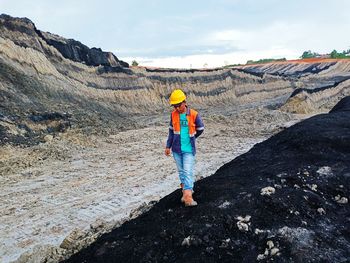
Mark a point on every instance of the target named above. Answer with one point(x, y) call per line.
point(177, 96)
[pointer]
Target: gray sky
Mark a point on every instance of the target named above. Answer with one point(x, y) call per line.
point(194, 33)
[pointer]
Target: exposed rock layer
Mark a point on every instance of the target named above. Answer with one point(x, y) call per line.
point(317, 84)
point(23, 32)
point(41, 73)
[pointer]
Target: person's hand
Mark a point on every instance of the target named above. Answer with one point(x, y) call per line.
point(167, 151)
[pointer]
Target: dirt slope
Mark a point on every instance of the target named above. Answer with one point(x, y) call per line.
point(286, 200)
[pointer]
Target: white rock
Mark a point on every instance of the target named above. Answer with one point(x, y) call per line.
point(244, 219)
point(260, 257)
point(242, 226)
point(321, 211)
point(306, 173)
point(325, 170)
point(343, 200)
point(269, 190)
point(186, 241)
point(225, 204)
point(313, 187)
point(258, 231)
point(270, 244)
point(274, 251)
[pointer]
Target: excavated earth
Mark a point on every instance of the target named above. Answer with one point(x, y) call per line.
point(286, 200)
point(59, 196)
point(82, 137)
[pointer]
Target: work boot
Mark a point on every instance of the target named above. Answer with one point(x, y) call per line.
point(182, 188)
point(182, 198)
point(187, 197)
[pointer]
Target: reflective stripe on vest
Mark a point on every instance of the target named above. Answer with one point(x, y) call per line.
point(191, 119)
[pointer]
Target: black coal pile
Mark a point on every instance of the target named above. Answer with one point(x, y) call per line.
point(286, 200)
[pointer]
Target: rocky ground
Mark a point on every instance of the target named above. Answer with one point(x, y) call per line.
point(286, 200)
point(59, 196)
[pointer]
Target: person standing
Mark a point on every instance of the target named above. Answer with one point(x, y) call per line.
point(185, 126)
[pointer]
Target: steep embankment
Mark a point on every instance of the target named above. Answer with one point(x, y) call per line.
point(286, 200)
point(318, 83)
point(49, 83)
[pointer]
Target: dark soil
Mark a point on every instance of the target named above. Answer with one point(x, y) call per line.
point(306, 223)
point(292, 218)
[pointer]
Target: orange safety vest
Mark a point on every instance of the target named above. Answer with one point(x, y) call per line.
point(191, 119)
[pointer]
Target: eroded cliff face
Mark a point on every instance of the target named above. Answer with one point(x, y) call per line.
point(42, 73)
point(318, 84)
point(23, 32)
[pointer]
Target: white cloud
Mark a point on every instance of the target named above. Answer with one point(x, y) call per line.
point(163, 33)
point(276, 34)
point(212, 61)
point(228, 35)
point(269, 42)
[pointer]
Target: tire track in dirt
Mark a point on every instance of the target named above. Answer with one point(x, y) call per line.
point(109, 181)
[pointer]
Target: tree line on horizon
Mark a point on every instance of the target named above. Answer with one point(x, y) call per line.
point(306, 54)
point(333, 54)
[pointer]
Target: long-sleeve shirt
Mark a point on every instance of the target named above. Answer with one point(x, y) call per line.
point(174, 140)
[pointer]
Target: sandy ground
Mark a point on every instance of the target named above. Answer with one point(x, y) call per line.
point(71, 189)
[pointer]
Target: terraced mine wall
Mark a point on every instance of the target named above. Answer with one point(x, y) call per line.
point(42, 73)
point(318, 84)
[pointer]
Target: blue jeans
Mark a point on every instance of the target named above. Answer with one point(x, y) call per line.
point(185, 167)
